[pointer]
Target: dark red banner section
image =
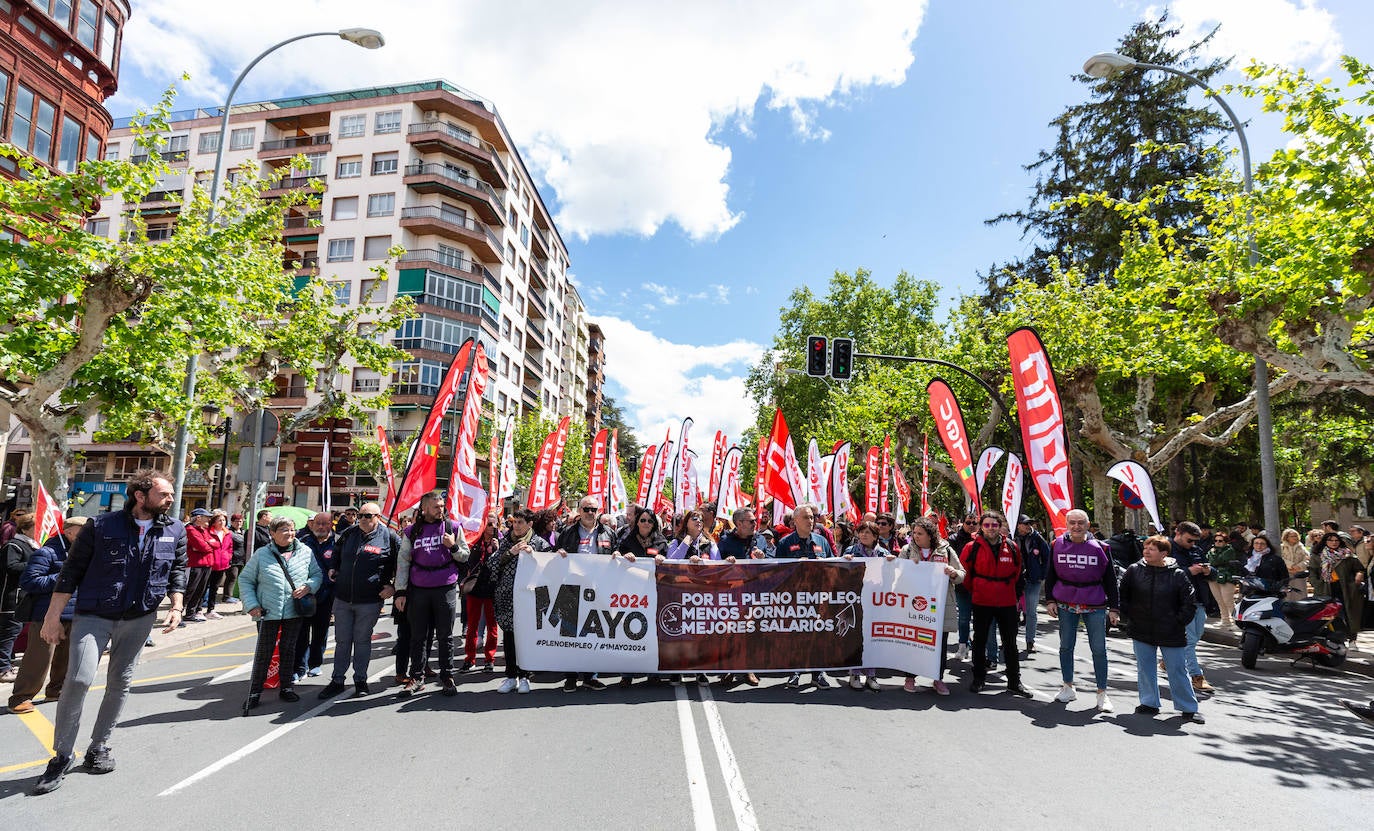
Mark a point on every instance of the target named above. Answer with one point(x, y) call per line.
point(759, 616)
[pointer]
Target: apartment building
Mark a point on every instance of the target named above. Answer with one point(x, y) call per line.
point(427, 166)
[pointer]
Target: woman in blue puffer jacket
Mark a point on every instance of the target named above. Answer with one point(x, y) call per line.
point(269, 597)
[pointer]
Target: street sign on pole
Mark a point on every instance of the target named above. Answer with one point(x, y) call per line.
point(265, 470)
point(248, 430)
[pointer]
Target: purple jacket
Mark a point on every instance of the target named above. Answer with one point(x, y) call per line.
point(1081, 574)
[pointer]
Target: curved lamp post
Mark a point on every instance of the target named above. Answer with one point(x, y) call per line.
point(366, 38)
point(1105, 64)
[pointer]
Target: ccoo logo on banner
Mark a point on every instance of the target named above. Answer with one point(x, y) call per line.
point(591, 613)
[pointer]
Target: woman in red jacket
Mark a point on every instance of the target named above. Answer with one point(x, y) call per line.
point(993, 572)
point(222, 557)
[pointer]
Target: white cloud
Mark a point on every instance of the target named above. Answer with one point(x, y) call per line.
point(1288, 32)
point(665, 295)
point(618, 104)
point(661, 382)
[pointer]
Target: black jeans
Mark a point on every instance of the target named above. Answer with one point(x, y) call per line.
point(431, 609)
point(513, 669)
point(314, 635)
point(1006, 618)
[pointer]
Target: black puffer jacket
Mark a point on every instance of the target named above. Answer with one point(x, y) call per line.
point(632, 544)
point(1158, 602)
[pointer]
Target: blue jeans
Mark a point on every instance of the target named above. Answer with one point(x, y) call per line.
point(1032, 599)
point(963, 601)
point(1194, 635)
point(1095, 622)
point(1147, 677)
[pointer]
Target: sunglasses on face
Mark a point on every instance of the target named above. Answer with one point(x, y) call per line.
point(883, 522)
point(646, 519)
point(970, 522)
point(368, 516)
point(588, 510)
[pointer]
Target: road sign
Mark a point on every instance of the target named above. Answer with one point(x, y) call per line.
point(248, 431)
point(264, 471)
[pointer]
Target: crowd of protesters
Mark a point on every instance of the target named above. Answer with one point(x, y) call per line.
point(96, 587)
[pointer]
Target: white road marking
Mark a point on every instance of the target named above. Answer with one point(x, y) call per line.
point(233, 673)
point(703, 815)
point(253, 747)
point(729, 769)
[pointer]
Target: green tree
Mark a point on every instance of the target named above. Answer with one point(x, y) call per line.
point(1096, 151)
point(104, 326)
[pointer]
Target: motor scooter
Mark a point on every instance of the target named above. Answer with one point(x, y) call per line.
point(1272, 624)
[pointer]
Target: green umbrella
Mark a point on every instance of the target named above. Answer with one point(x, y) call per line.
point(300, 516)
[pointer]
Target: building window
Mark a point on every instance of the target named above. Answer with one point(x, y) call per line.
point(381, 204)
point(108, 34)
point(510, 254)
point(178, 144)
point(98, 227)
point(350, 168)
point(112, 151)
point(344, 207)
point(4, 98)
point(524, 235)
point(375, 248)
point(69, 152)
point(316, 162)
point(505, 328)
point(340, 250)
point(343, 289)
point(432, 332)
point(384, 163)
point(417, 378)
point(87, 22)
point(208, 142)
point(242, 138)
point(92, 146)
point(505, 365)
point(368, 288)
point(387, 122)
point(61, 11)
point(452, 257)
point(352, 126)
point(367, 380)
point(511, 217)
point(510, 290)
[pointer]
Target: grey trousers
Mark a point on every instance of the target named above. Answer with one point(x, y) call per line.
point(353, 625)
point(90, 635)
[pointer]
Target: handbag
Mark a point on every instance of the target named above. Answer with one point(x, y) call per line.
point(305, 606)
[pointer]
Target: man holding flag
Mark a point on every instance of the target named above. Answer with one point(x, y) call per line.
point(427, 589)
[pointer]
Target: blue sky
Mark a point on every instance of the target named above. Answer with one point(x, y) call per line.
point(704, 160)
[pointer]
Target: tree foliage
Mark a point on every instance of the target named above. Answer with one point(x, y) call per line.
point(100, 326)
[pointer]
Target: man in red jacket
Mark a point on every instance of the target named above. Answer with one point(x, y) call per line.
point(994, 570)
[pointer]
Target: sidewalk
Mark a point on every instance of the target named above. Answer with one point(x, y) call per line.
point(234, 621)
point(1358, 662)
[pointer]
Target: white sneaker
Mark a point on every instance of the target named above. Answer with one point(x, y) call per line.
point(962, 653)
point(507, 685)
point(1104, 704)
point(856, 682)
point(524, 686)
point(1066, 694)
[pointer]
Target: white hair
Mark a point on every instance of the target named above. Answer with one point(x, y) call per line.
point(1077, 513)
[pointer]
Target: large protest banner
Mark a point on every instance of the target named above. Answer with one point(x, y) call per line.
point(591, 613)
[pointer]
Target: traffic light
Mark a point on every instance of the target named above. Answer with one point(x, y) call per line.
point(817, 359)
point(841, 361)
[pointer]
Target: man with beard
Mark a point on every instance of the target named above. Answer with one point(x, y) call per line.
point(993, 567)
point(427, 589)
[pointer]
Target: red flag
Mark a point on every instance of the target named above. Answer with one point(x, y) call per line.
point(560, 445)
point(386, 466)
point(718, 448)
point(646, 470)
point(665, 455)
point(596, 467)
point(760, 493)
point(872, 464)
point(47, 514)
point(467, 499)
point(903, 489)
point(1042, 424)
point(419, 476)
point(783, 477)
point(682, 476)
point(493, 480)
point(539, 482)
point(949, 421)
point(886, 474)
point(944, 526)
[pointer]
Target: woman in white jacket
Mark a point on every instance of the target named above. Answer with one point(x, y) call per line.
point(927, 547)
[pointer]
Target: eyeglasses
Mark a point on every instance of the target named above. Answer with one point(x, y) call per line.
point(970, 522)
point(883, 522)
point(644, 519)
point(368, 516)
point(587, 510)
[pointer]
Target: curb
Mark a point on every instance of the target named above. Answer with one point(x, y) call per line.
point(232, 626)
point(1357, 663)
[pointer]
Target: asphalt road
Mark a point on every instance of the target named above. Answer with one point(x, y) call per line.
point(1277, 750)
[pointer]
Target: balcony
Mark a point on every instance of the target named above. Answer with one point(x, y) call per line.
point(287, 147)
point(454, 226)
point(455, 266)
point(441, 179)
point(442, 137)
point(301, 265)
point(534, 334)
point(168, 156)
point(540, 241)
point(290, 183)
point(298, 225)
point(539, 273)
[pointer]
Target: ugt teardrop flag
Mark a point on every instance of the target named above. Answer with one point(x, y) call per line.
point(1013, 487)
point(1042, 424)
point(420, 474)
point(949, 422)
point(467, 499)
point(1134, 476)
point(987, 460)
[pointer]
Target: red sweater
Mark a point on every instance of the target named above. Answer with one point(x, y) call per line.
point(992, 576)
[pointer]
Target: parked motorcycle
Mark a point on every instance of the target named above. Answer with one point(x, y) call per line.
point(1273, 624)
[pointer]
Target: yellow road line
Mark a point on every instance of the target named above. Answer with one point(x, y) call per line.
point(199, 649)
point(207, 671)
point(217, 655)
point(23, 766)
point(40, 727)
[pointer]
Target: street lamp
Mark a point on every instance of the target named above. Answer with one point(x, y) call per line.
point(366, 38)
point(1105, 64)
